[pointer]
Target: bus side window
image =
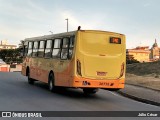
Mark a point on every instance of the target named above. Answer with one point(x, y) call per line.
point(64, 52)
point(71, 46)
point(41, 49)
point(30, 46)
point(56, 48)
point(48, 50)
point(35, 49)
point(25, 48)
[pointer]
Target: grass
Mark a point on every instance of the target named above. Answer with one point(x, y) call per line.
point(142, 69)
point(144, 74)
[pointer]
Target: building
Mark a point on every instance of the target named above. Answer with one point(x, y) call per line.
point(140, 53)
point(3, 66)
point(144, 54)
point(155, 52)
point(5, 45)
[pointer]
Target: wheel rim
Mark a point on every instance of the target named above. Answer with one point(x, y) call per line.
point(51, 82)
point(28, 75)
point(50, 85)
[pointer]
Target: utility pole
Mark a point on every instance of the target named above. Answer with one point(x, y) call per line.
point(67, 24)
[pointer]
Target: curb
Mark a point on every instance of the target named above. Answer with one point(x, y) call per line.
point(143, 87)
point(139, 99)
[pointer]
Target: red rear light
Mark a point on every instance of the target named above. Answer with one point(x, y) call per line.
point(122, 70)
point(79, 68)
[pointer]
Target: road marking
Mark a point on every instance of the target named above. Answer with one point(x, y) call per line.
point(113, 93)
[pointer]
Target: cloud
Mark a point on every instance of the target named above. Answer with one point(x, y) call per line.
point(23, 19)
point(146, 4)
point(139, 20)
point(85, 21)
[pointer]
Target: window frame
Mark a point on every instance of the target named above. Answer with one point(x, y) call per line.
point(47, 57)
point(30, 49)
point(60, 48)
point(67, 48)
point(43, 49)
point(36, 53)
point(25, 48)
point(71, 48)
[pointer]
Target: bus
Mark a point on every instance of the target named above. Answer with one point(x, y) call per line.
point(86, 59)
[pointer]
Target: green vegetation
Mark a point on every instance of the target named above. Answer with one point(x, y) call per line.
point(11, 56)
point(130, 59)
point(142, 69)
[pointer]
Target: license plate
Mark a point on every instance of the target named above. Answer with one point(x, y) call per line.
point(101, 73)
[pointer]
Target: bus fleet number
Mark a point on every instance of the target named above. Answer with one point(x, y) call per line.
point(104, 84)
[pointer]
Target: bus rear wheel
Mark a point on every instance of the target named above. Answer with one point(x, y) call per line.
point(30, 80)
point(51, 85)
point(90, 90)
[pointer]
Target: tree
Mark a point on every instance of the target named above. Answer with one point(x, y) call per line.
point(130, 59)
point(11, 55)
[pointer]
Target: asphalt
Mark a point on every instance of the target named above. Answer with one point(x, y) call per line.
point(17, 95)
point(142, 94)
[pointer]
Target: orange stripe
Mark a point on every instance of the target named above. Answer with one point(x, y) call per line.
point(98, 83)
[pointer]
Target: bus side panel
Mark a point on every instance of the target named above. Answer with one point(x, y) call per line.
point(62, 70)
point(23, 72)
point(33, 66)
point(24, 66)
point(64, 77)
point(42, 70)
point(42, 75)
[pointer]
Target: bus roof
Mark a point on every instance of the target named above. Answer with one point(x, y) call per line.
point(59, 35)
point(101, 31)
point(51, 36)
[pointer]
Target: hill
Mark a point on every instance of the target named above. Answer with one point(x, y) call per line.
point(142, 69)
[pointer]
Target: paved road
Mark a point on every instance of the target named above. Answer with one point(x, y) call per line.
point(17, 95)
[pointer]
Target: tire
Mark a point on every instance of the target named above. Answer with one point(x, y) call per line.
point(90, 90)
point(116, 89)
point(30, 80)
point(51, 85)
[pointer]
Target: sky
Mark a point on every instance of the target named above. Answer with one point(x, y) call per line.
point(139, 20)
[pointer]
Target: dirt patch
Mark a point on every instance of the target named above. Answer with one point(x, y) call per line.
point(148, 81)
point(144, 74)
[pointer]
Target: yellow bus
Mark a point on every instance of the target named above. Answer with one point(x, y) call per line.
point(87, 59)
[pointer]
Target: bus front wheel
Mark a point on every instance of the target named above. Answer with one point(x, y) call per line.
point(51, 82)
point(30, 80)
